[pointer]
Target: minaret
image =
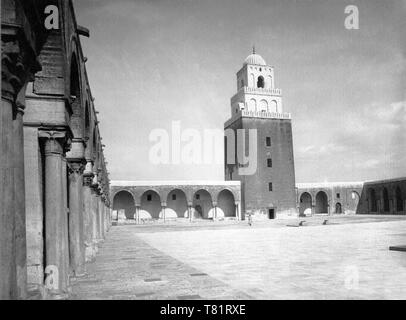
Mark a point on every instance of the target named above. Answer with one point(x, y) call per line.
point(269, 192)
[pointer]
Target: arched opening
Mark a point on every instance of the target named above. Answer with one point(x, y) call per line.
point(273, 106)
point(77, 119)
point(87, 121)
point(385, 196)
point(225, 204)
point(123, 203)
point(372, 201)
point(151, 204)
point(339, 209)
point(305, 204)
point(260, 82)
point(202, 205)
point(399, 200)
point(321, 203)
point(176, 204)
point(252, 78)
point(252, 105)
point(353, 202)
point(263, 106)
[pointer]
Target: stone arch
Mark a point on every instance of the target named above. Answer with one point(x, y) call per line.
point(263, 106)
point(353, 201)
point(176, 204)
point(75, 91)
point(372, 200)
point(273, 107)
point(150, 204)
point(339, 208)
point(385, 200)
point(124, 200)
point(399, 199)
point(252, 105)
point(225, 204)
point(261, 82)
point(203, 204)
point(321, 203)
point(87, 119)
point(305, 204)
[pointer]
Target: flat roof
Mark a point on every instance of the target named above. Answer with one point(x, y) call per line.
point(123, 183)
point(327, 184)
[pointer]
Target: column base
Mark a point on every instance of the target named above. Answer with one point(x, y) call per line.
point(57, 295)
point(90, 252)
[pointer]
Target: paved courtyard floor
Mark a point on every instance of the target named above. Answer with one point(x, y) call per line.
point(347, 259)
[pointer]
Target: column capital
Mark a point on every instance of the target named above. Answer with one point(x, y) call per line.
point(75, 167)
point(56, 141)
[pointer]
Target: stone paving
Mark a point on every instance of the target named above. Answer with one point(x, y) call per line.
point(343, 260)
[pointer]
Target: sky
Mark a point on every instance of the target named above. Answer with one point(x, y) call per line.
point(152, 62)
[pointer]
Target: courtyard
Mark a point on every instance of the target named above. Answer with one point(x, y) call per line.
point(346, 259)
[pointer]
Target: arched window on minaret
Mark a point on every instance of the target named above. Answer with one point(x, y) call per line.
point(261, 82)
point(263, 106)
point(252, 105)
point(273, 106)
point(252, 85)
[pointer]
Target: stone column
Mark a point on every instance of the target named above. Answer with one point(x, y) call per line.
point(19, 194)
point(95, 217)
point(8, 278)
point(55, 211)
point(76, 224)
point(87, 215)
point(214, 204)
point(100, 216)
point(65, 221)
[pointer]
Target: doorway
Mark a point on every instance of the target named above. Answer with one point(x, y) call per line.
point(271, 214)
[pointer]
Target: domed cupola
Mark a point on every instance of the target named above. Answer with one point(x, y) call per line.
point(255, 59)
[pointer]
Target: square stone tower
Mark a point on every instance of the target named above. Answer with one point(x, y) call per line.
point(259, 144)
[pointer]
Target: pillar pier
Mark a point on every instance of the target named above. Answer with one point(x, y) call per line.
point(238, 210)
point(190, 211)
point(137, 214)
point(76, 218)
point(55, 212)
point(214, 204)
point(163, 208)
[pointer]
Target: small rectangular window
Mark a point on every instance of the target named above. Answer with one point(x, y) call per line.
point(268, 141)
point(197, 196)
point(270, 186)
point(149, 197)
point(338, 196)
point(269, 163)
point(174, 197)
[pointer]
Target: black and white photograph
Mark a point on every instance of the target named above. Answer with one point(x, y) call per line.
point(203, 154)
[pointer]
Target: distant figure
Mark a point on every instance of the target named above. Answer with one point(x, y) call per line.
point(325, 222)
point(249, 219)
